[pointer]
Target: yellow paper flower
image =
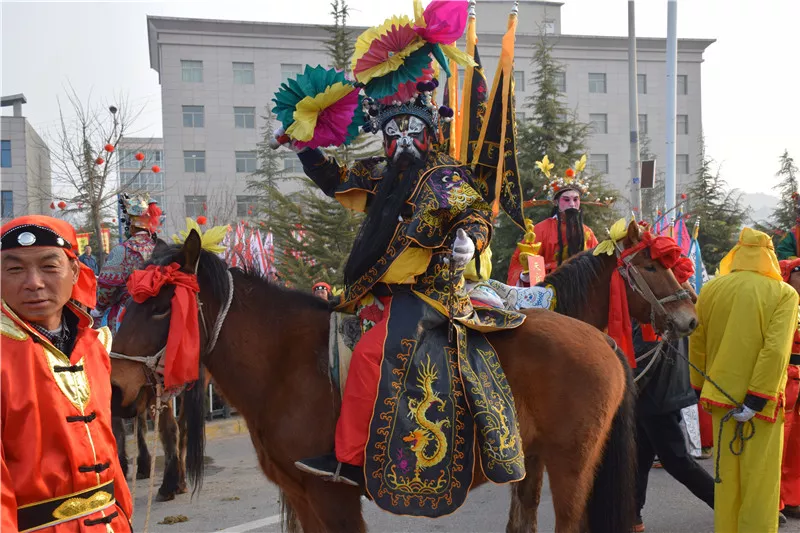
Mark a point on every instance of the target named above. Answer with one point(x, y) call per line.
point(545, 166)
point(309, 108)
point(210, 240)
point(616, 234)
point(580, 164)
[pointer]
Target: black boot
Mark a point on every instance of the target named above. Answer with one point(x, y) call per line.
point(329, 468)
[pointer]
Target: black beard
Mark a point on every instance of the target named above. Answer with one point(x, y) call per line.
point(573, 220)
point(383, 211)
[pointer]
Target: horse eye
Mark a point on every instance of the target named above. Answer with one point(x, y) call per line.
point(650, 268)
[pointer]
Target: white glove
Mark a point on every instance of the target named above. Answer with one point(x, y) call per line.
point(525, 279)
point(463, 249)
point(743, 414)
point(96, 314)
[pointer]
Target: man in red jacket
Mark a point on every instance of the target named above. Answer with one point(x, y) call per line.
point(59, 467)
point(790, 467)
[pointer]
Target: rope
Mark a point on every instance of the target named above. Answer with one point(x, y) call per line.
point(222, 315)
point(736, 445)
point(153, 461)
point(657, 351)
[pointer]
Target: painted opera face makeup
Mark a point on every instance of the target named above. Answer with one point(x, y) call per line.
point(406, 137)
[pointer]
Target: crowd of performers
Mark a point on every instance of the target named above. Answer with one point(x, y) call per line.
point(422, 247)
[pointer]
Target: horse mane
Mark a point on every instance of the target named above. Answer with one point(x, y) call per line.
point(572, 282)
point(212, 273)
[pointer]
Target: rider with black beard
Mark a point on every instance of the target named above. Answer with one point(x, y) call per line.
point(404, 279)
point(561, 236)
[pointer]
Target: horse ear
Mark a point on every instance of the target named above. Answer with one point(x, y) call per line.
point(191, 249)
point(634, 232)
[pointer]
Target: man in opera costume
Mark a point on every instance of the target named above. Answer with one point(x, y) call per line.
point(142, 220)
point(747, 320)
point(563, 234)
point(60, 470)
point(404, 279)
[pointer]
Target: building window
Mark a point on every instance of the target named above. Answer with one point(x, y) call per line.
point(682, 164)
point(642, 124)
point(194, 161)
point(599, 122)
point(641, 83)
point(127, 158)
point(244, 73)
point(683, 124)
point(192, 71)
point(519, 80)
point(7, 209)
point(193, 116)
point(597, 83)
point(683, 84)
point(599, 163)
point(244, 117)
point(292, 164)
point(5, 154)
point(246, 162)
point(195, 206)
point(144, 181)
point(246, 206)
point(560, 81)
point(290, 70)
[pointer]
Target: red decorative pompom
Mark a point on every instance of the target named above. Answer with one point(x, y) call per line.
point(99, 160)
point(569, 173)
point(249, 211)
point(62, 205)
point(156, 169)
point(683, 196)
point(109, 148)
point(52, 205)
point(139, 156)
point(202, 220)
point(556, 188)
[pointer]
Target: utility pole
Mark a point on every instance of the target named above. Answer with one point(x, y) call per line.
point(633, 103)
point(672, 99)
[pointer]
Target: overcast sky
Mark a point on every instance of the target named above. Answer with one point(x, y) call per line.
point(751, 80)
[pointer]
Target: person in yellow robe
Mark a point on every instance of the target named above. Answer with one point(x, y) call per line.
point(747, 318)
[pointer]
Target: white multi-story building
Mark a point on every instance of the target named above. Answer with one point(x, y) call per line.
point(218, 79)
point(24, 165)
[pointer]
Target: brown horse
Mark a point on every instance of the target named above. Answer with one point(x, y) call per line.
point(270, 362)
point(582, 291)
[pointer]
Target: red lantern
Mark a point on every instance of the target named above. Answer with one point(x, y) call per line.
point(156, 169)
point(249, 211)
point(109, 148)
point(683, 196)
point(570, 173)
point(52, 205)
point(139, 156)
point(114, 220)
point(99, 160)
point(62, 205)
point(202, 220)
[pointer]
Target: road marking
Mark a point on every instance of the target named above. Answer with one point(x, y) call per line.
point(247, 526)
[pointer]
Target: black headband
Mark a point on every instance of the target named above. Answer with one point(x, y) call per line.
point(32, 235)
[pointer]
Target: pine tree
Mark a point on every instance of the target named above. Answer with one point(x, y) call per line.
point(719, 210)
point(554, 130)
point(785, 215)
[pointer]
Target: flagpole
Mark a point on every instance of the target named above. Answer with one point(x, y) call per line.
point(672, 91)
point(633, 108)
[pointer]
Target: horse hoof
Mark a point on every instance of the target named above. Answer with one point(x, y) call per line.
point(142, 475)
point(182, 490)
point(164, 498)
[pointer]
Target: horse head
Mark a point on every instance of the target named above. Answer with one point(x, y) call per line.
point(654, 293)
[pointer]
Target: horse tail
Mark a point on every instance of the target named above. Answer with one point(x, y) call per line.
point(194, 414)
point(289, 520)
point(612, 505)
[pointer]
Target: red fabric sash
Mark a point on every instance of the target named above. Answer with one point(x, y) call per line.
point(662, 249)
point(182, 357)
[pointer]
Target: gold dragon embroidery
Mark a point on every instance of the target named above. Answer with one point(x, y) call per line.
point(427, 431)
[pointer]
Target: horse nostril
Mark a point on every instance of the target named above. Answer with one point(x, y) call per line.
point(693, 324)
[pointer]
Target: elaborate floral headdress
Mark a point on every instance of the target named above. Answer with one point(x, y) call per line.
point(141, 211)
point(393, 67)
point(571, 180)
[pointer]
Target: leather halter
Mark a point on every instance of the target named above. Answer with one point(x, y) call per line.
point(636, 281)
point(154, 364)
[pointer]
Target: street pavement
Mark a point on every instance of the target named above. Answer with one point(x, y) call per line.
point(236, 497)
